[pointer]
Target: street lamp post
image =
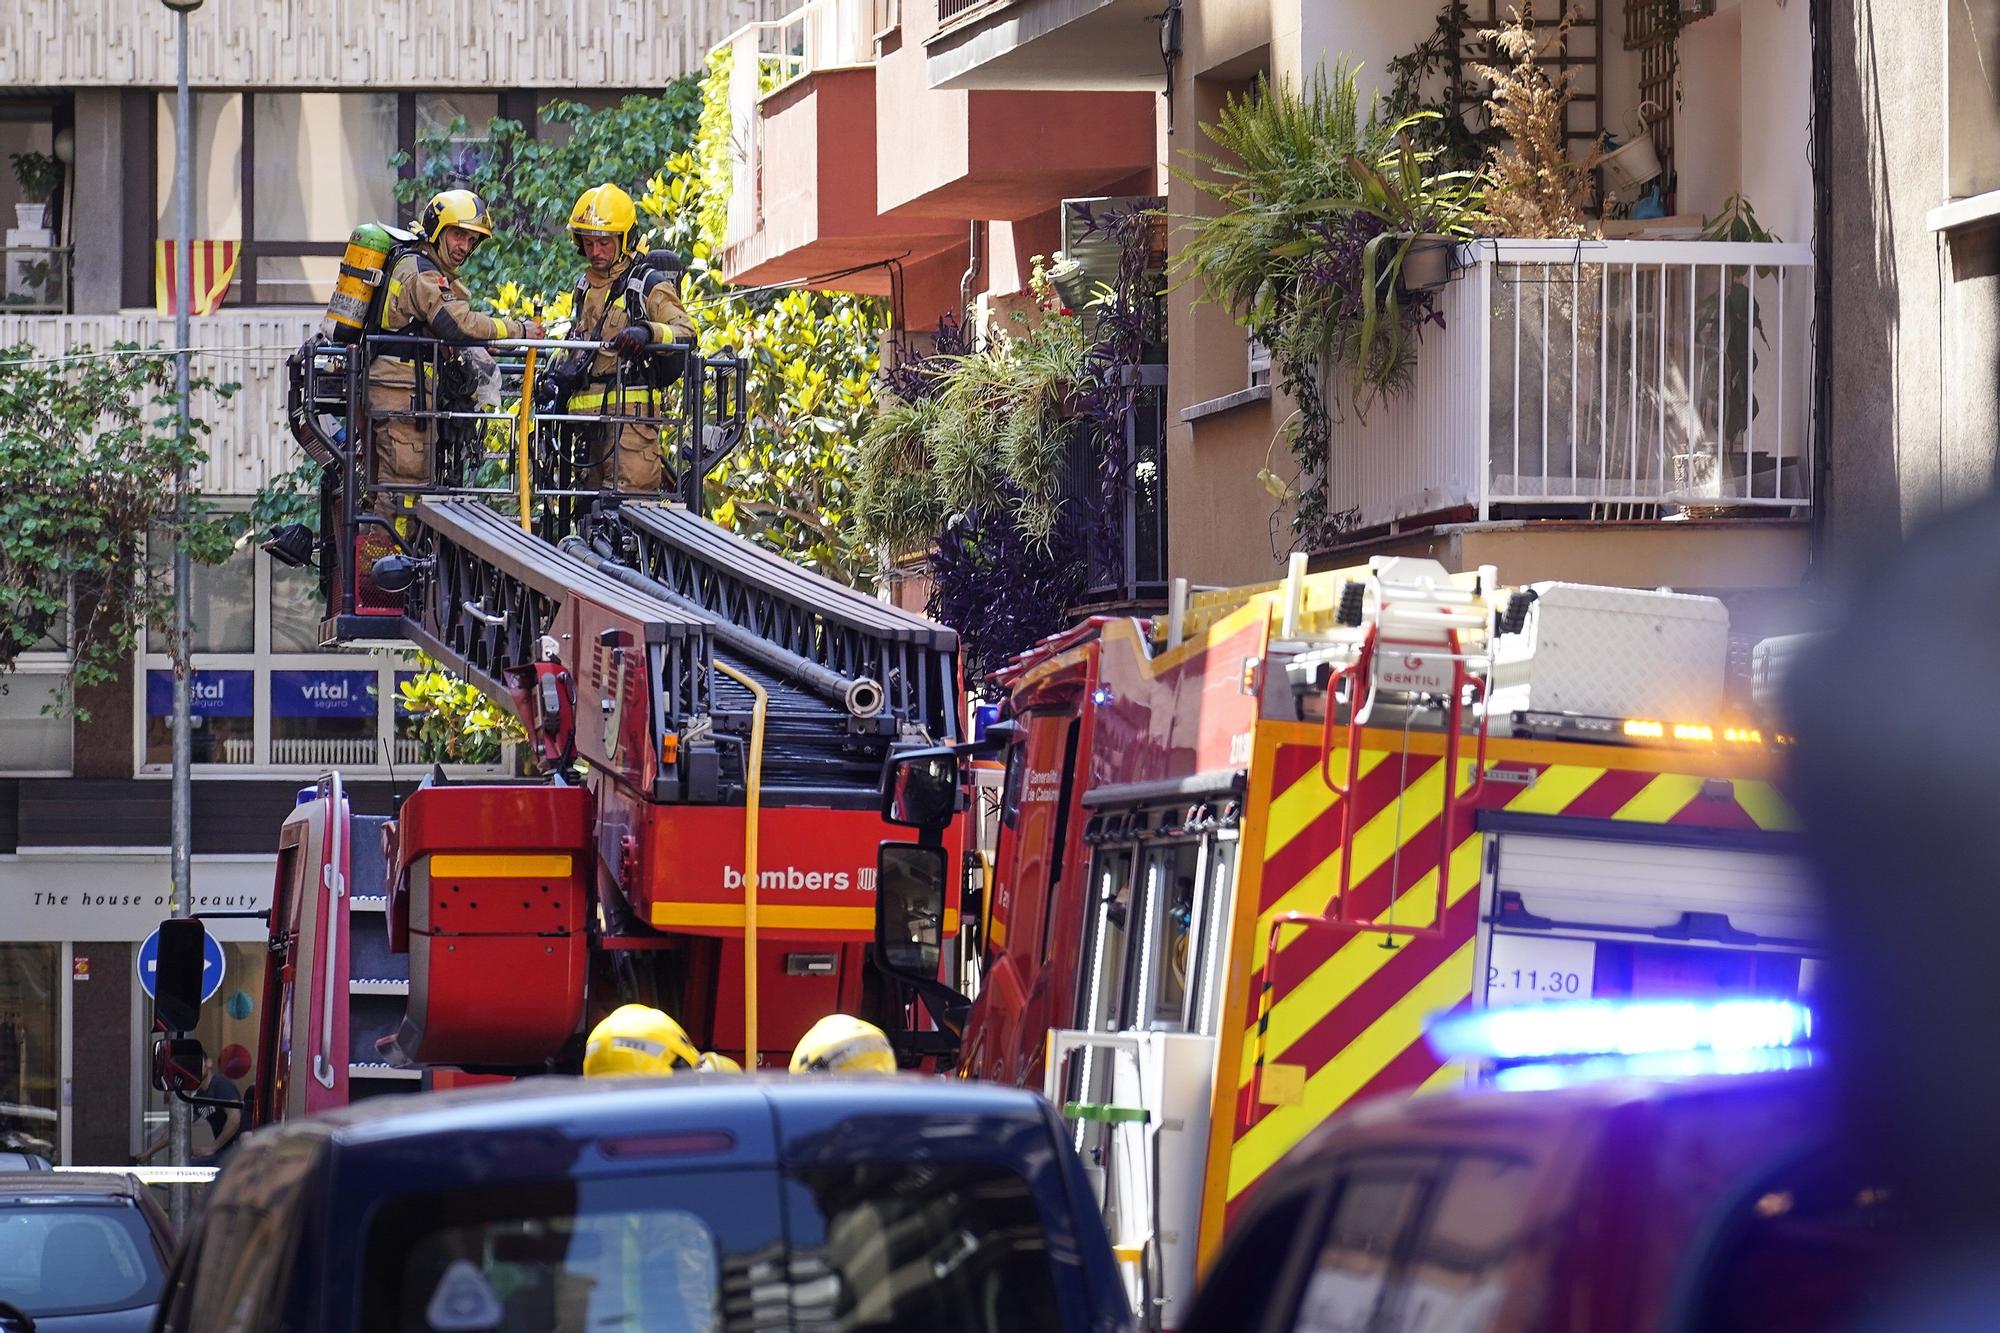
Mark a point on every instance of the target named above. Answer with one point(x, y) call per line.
point(179, 1117)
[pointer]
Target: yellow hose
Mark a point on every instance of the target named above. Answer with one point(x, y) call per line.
point(754, 776)
point(521, 466)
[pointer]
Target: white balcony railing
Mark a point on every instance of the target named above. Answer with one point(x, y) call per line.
point(1622, 376)
point(764, 57)
point(351, 751)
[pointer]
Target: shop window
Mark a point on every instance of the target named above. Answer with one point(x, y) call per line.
point(267, 696)
point(227, 1031)
point(30, 1050)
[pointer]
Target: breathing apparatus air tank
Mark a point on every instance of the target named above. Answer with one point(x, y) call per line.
point(364, 269)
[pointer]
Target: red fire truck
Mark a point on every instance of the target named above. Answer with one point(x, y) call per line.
point(708, 722)
point(1248, 848)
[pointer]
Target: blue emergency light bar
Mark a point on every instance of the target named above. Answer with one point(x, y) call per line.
point(1621, 1028)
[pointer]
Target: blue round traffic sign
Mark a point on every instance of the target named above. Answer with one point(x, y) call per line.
point(213, 965)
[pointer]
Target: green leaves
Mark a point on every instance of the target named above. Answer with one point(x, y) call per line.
point(89, 447)
point(455, 723)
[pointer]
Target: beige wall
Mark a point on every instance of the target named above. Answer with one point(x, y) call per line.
point(1720, 556)
point(1223, 527)
point(369, 43)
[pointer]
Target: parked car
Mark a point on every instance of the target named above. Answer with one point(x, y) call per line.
point(694, 1202)
point(1710, 1204)
point(23, 1161)
point(80, 1253)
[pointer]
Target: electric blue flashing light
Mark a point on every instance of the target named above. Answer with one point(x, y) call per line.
point(1623, 1029)
point(1546, 1075)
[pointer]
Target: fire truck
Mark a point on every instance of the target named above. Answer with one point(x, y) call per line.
point(1248, 848)
point(708, 726)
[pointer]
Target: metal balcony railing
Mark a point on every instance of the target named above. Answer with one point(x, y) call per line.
point(35, 279)
point(1116, 498)
point(949, 10)
point(1596, 379)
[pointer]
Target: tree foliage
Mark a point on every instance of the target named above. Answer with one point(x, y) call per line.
point(456, 724)
point(530, 181)
point(89, 447)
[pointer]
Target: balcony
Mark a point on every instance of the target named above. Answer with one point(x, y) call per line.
point(1608, 380)
point(34, 279)
point(1095, 45)
point(802, 103)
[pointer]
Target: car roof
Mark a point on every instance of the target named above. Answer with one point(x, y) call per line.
point(69, 1186)
point(588, 1106)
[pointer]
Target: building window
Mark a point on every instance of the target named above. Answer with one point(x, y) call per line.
point(290, 174)
point(35, 735)
point(319, 163)
point(437, 112)
point(266, 695)
point(1972, 118)
point(34, 740)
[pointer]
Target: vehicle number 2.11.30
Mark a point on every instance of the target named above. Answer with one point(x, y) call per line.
point(1527, 970)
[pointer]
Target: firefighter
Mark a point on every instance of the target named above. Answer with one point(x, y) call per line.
point(843, 1044)
point(626, 303)
point(639, 1039)
point(426, 299)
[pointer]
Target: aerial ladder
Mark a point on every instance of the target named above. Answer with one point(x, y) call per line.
point(708, 724)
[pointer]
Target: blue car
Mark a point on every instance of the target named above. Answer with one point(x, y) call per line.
point(692, 1203)
point(80, 1253)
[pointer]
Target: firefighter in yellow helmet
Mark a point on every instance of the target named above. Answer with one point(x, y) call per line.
point(843, 1044)
point(627, 304)
point(638, 1039)
point(426, 299)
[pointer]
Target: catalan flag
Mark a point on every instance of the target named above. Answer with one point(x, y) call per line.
point(214, 269)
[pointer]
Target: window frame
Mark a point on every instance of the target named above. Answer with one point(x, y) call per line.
point(261, 661)
point(37, 665)
point(243, 289)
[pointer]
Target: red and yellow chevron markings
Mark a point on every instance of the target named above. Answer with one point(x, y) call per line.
point(1346, 1010)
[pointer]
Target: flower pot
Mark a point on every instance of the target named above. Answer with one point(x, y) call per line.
point(30, 216)
point(1427, 264)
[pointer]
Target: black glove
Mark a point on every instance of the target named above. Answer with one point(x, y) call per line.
point(631, 342)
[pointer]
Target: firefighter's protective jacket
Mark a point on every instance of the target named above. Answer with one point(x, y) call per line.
point(425, 300)
point(605, 311)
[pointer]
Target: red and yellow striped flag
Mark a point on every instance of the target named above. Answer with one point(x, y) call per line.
point(214, 269)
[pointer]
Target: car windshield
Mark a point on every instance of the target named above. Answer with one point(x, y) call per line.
point(76, 1258)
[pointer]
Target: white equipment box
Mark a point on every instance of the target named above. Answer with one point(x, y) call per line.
point(1615, 652)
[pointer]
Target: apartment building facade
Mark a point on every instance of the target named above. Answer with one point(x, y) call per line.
point(1866, 137)
point(297, 112)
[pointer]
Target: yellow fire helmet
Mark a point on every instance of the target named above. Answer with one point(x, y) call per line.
point(711, 1063)
point(606, 210)
point(637, 1039)
point(454, 208)
point(843, 1044)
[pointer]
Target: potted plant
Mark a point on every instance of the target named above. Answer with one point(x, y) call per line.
point(38, 175)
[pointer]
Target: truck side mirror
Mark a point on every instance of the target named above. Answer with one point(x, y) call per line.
point(177, 978)
point(909, 908)
point(178, 1064)
point(920, 788)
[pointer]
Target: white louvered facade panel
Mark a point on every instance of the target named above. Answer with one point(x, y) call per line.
point(318, 44)
point(248, 443)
